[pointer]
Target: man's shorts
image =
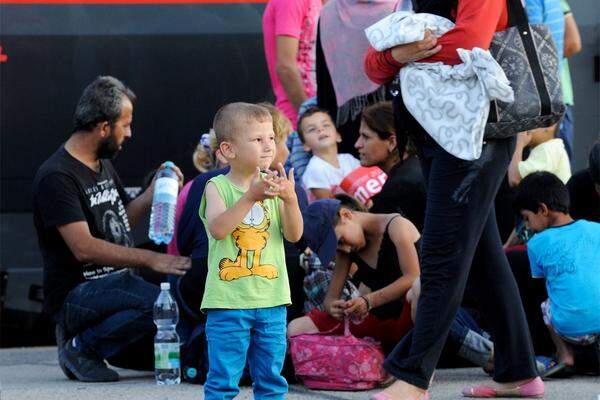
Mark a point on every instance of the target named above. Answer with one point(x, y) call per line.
point(583, 340)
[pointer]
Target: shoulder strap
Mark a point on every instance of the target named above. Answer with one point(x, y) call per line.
point(387, 226)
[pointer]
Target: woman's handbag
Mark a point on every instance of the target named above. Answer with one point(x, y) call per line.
point(336, 362)
point(529, 58)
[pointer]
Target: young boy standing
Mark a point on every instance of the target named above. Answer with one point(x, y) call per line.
point(326, 168)
point(247, 214)
point(566, 253)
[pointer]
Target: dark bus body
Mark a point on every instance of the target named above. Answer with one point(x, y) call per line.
point(183, 59)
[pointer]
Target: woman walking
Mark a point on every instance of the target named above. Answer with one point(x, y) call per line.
point(460, 226)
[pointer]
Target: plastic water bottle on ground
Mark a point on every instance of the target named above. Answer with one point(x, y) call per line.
point(166, 342)
point(164, 202)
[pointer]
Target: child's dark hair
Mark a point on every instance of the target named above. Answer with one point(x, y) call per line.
point(349, 202)
point(542, 187)
point(309, 111)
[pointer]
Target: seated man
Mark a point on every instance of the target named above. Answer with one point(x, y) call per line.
point(83, 217)
point(565, 253)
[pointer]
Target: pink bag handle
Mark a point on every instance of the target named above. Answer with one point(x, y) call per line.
point(347, 326)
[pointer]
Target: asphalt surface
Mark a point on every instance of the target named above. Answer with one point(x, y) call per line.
point(33, 373)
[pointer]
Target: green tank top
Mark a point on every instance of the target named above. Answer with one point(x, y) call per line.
point(246, 269)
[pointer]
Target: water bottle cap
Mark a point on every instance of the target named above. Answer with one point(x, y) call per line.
point(169, 164)
point(191, 372)
point(165, 286)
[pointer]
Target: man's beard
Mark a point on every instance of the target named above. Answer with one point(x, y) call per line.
point(108, 148)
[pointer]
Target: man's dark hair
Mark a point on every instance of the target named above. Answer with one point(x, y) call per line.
point(594, 163)
point(309, 111)
point(101, 101)
point(542, 187)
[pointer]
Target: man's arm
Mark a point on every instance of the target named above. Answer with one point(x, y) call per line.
point(287, 69)
point(572, 44)
point(88, 249)
point(138, 208)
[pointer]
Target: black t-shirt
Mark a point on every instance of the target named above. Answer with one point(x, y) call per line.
point(65, 191)
point(403, 192)
point(585, 201)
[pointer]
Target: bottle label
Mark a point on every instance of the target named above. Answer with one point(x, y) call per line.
point(166, 355)
point(166, 187)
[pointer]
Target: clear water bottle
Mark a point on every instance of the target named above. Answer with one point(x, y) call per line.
point(164, 202)
point(166, 342)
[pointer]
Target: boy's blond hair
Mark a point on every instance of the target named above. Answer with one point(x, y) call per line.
point(204, 156)
point(281, 124)
point(233, 118)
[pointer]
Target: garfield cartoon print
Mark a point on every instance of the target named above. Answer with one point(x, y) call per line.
point(250, 236)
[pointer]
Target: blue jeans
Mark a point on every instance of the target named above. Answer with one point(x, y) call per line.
point(566, 131)
point(112, 318)
point(471, 342)
point(233, 334)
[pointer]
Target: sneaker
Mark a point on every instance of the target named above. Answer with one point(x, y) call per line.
point(61, 340)
point(85, 367)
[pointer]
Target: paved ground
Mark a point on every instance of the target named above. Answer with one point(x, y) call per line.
point(33, 373)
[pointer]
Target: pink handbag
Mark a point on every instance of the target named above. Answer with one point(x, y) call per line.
point(335, 362)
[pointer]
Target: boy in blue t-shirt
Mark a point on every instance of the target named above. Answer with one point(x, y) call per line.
point(567, 254)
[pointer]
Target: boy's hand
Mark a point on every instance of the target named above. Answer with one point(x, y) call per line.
point(262, 187)
point(286, 185)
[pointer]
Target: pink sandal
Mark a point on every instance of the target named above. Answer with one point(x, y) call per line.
point(532, 389)
point(385, 396)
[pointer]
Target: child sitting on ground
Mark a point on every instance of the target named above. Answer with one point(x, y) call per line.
point(566, 253)
point(547, 154)
point(384, 249)
point(247, 214)
point(326, 168)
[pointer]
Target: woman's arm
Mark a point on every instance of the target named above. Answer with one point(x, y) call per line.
point(476, 23)
point(382, 66)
